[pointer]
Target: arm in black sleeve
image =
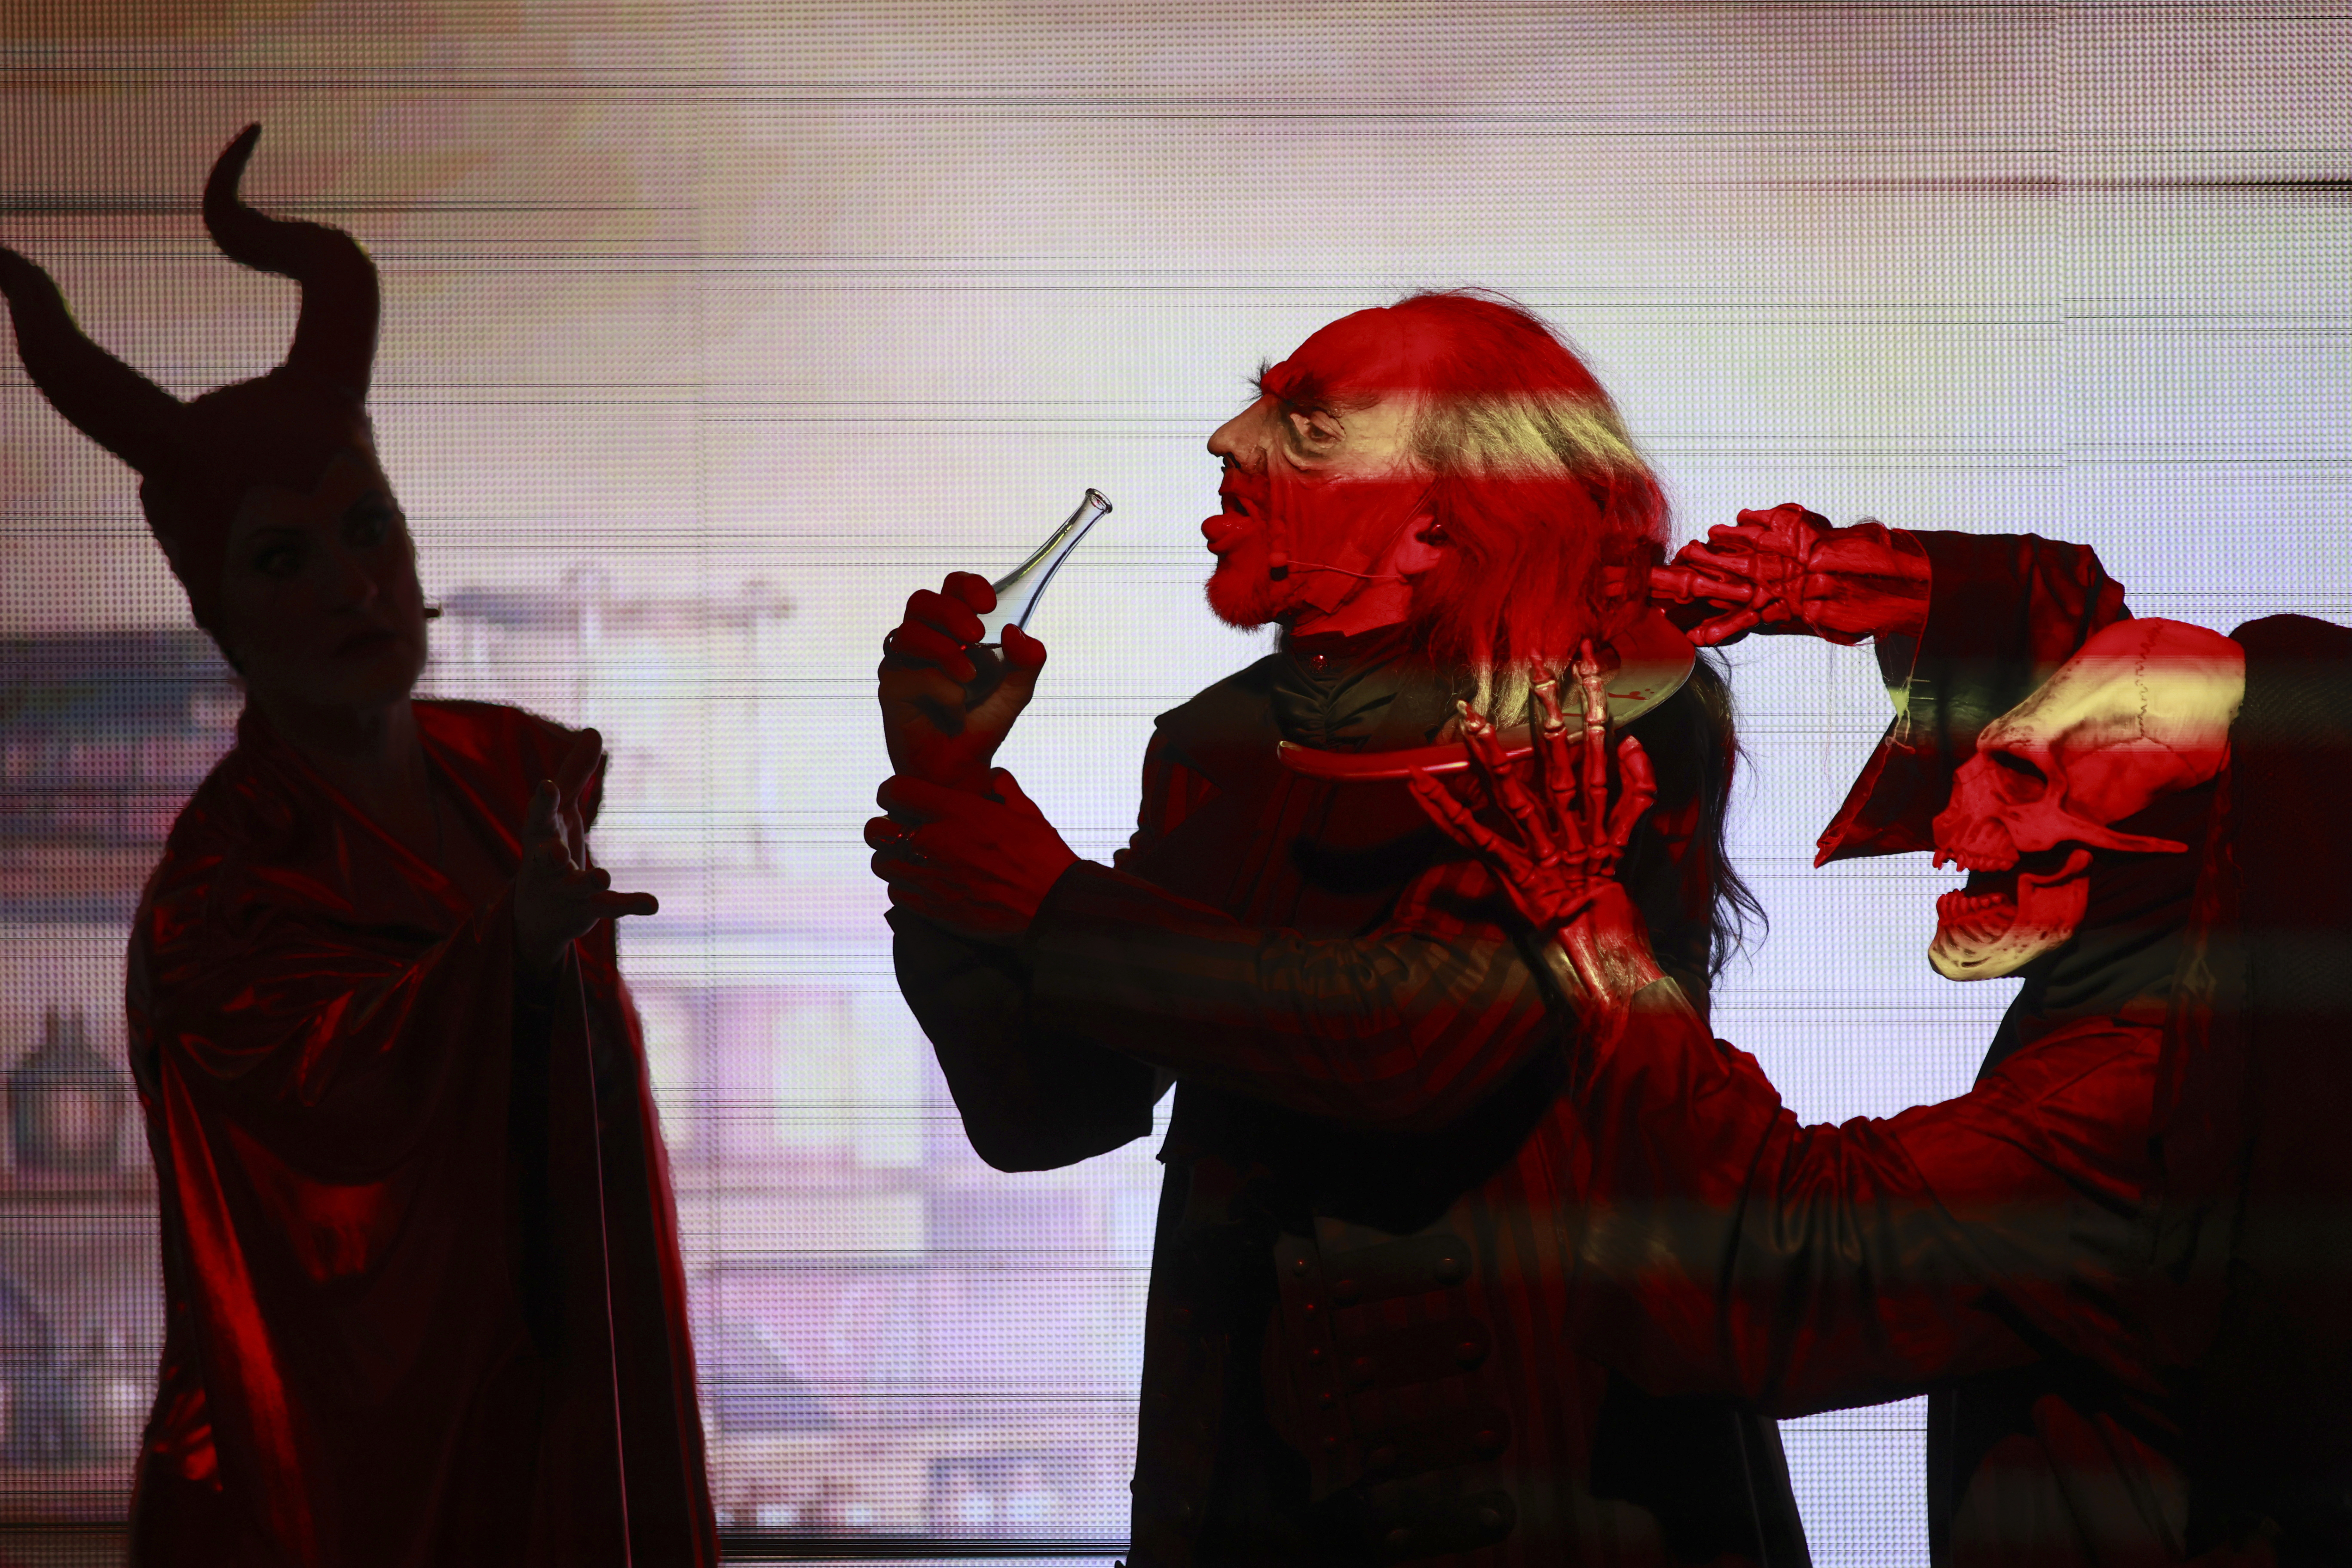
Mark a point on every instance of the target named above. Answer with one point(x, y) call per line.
point(1726, 1249)
point(1032, 1098)
point(2004, 612)
point(1405, 1029)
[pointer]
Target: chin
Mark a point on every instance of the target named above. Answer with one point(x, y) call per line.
point(375, 682)
point(1240, 594)
point(2003, 921)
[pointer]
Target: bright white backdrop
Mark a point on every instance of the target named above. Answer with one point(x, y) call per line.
point(736, 323)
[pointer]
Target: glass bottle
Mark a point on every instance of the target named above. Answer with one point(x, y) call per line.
point(1017, 594)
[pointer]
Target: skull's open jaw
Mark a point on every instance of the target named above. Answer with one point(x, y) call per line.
point(2003, 921)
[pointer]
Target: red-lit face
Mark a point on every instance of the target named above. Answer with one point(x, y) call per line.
point(1324, 453)
point(319, 600)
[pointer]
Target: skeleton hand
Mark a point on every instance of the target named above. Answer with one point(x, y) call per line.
point(1786, 569)
point(1559, 858)
point(947, 704)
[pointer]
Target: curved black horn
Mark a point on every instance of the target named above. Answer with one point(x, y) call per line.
point(334, 338)
point(107, 400)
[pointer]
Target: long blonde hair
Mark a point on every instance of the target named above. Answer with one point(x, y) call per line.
point(1550, 517)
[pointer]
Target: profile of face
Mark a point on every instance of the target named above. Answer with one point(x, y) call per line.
point(1319, 467)
point(2142, 711)
point(319, 603)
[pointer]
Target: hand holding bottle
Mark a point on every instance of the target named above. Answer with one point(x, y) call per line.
point(947, 700)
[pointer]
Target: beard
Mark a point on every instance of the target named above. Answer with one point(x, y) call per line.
point(1242, 590)
point(1346, 524)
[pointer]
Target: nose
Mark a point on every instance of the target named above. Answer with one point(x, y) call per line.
point(354, 586)
point(1236, 438)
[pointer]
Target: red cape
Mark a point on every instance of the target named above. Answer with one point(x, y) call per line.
point(420, 1251)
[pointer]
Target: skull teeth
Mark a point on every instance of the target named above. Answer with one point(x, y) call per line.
point(1975, 919)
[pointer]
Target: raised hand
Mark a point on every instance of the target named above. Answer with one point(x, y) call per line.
point(1561, 843)
point(947, 704)
point(1787, 570)
point(558, 896)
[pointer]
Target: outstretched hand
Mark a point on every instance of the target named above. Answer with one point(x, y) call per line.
point(1787, 570)
point(947, 702)
point(558, 896)
point(978, 864)
point(1562, 840)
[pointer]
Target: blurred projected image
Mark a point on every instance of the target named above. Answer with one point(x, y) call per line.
point(531, 1109)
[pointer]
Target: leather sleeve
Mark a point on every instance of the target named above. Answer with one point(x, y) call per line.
point(2004, 612)
point(1032, 1098)
point(1728, 1250)
point(1405, 1029)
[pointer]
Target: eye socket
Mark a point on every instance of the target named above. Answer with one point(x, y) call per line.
point(370, 520)
point(2019, 777)
point(1312, 429)
point(278, 558)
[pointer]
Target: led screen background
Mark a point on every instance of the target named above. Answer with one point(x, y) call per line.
point(711, 330)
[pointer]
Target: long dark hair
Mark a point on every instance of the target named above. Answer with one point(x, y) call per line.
point(1699, 911)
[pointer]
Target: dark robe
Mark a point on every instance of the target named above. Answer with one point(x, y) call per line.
point(420, 1253)
point(2119, 1265)
point(1353, 1346)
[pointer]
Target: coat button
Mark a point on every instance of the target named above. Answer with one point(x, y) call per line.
point(1327, 1399)
point(1300, 1267)
point(1314, 1353)
point(1452, 1269)
point(1307, 1309)
point(1330, 1445)
point(1361, 1369)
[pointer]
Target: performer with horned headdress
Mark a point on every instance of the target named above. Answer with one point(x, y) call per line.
point(423, 1294)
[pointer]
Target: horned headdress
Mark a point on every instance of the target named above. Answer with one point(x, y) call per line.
point(196, 460)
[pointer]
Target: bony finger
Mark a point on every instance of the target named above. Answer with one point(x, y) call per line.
point(1723, 628)
point(1637, 791)
point(1439, 804)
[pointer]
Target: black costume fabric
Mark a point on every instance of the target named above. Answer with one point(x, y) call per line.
point(2258, 1185)
point(2121, 1264)
point(1354, 1350)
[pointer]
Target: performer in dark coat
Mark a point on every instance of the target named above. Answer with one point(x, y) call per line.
point(424, 1297)
point(2123, 1262)
point(1353, 1349)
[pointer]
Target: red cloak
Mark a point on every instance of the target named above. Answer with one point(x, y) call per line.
point(420, 1252)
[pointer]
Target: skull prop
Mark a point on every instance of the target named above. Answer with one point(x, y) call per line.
point(2144, 710)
